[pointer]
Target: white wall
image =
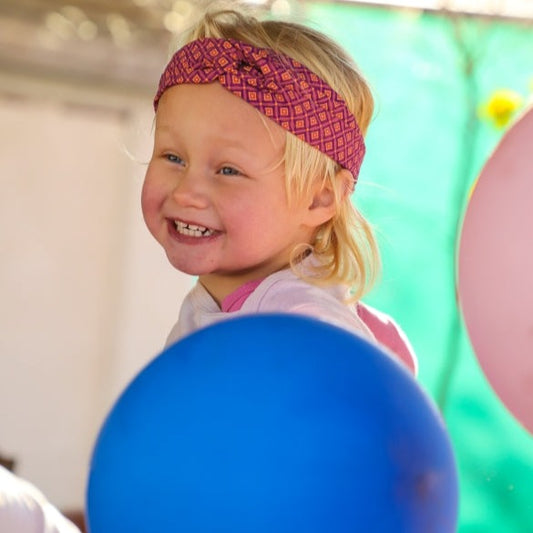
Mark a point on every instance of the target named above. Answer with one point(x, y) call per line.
point(87, 297)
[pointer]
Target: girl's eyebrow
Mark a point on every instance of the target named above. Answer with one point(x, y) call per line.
point(164, 127)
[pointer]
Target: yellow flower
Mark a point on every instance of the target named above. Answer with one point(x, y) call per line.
point(501, 106)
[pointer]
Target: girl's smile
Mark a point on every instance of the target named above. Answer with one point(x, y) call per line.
point(214, 194)
point(188, 232)
point(192, 231)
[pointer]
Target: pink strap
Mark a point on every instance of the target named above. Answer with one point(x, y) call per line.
point(388, 334)
point(278, 86)
point(235, 300)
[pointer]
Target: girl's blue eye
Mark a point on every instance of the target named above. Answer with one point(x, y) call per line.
point(229, 171)
point(173, 158)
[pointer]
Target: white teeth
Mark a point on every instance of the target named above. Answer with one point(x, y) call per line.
point(192, 230)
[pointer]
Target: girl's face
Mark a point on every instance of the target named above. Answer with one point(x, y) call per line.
point(214, 194)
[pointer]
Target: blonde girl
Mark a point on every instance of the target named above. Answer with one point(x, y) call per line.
point(259, 138)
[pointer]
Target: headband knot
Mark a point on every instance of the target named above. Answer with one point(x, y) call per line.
point(278, 86)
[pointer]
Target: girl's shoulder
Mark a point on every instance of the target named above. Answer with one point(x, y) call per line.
point(284, 292)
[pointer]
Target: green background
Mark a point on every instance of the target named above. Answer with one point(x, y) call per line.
point(426, 146)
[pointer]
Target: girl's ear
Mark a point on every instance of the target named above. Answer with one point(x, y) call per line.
point(323, 205)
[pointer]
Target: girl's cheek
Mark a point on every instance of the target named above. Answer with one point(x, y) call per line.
point(149, 199)
point(151, 183)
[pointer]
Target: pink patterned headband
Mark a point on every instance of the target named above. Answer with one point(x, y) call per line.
point(278, 86)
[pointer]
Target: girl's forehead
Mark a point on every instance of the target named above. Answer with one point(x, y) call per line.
point(218, 109)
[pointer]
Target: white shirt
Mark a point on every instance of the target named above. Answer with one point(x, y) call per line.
point(284, 292)
point(24, 509)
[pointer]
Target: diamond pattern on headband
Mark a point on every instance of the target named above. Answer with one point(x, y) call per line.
point(278, 86)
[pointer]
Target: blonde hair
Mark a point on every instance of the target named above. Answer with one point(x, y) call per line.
point(345, 246)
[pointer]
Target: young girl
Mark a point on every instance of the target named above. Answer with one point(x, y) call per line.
point(258, 144)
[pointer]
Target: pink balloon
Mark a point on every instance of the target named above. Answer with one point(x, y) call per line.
point(495, 271)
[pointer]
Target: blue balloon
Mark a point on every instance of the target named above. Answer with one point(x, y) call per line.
point(273, 424)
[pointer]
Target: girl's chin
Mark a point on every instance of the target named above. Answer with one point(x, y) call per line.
point(188, 271)
point(184, 268)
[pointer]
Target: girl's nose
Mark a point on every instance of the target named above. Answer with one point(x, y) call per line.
point(190, 191)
